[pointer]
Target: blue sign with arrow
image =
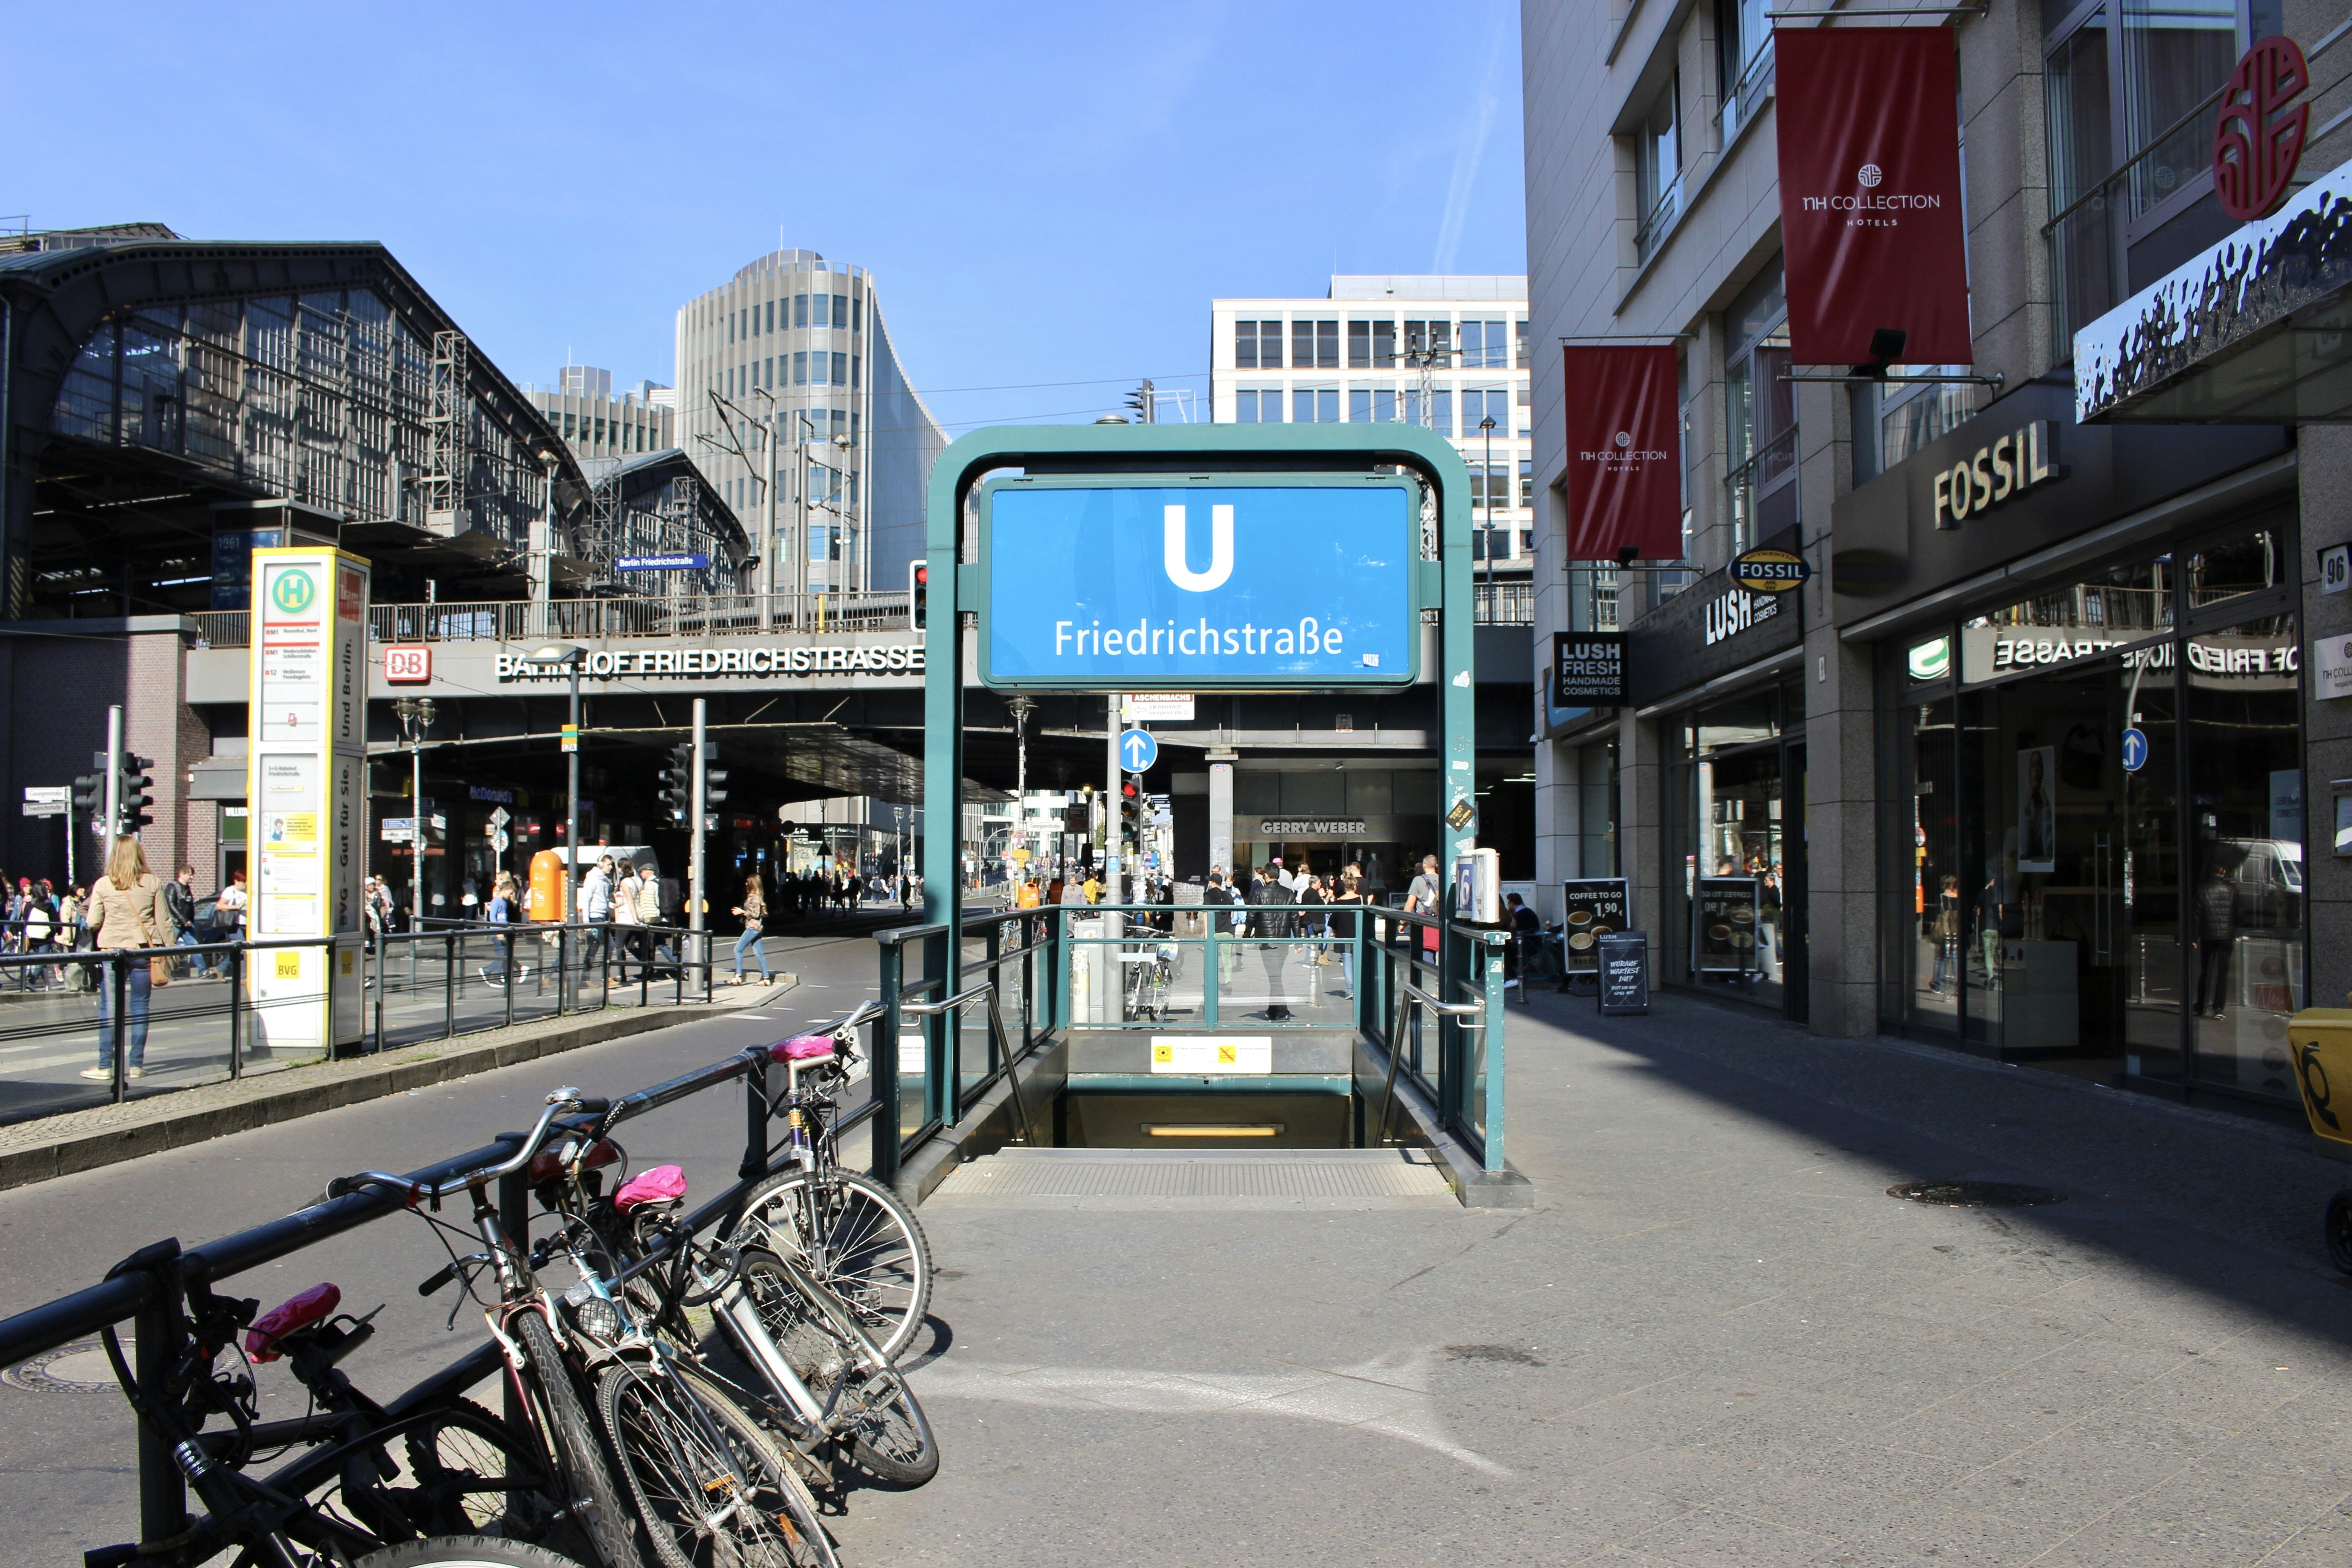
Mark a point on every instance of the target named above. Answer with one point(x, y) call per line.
point(1138, 750)
point(2135, 750)
point(1178, 586)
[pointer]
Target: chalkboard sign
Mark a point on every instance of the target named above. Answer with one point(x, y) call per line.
point(1594, 909)
point(1723, 926)
point(1624, 973)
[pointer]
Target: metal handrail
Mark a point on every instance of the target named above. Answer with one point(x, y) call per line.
point(926, 1009)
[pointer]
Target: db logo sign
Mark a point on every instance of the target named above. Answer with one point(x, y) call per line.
point(412, 663)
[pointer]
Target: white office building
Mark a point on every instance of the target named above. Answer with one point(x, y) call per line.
point(788, 369)
point(1446, 352)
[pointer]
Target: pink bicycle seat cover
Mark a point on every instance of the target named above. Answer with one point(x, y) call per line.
point(296, 1312)
point(662, 1185)
point(804, 1049)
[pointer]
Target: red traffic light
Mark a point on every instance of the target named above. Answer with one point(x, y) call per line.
point(922, 577)
point(1128, 789)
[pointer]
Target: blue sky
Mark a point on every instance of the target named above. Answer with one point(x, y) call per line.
point(1046, 194)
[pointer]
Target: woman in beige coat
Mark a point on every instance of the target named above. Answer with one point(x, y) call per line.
point(127, 911)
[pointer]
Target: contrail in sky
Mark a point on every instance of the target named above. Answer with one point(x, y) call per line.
point(1473, 149)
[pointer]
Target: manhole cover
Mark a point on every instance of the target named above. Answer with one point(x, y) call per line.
point(1975, 1194)
point(80, 1367)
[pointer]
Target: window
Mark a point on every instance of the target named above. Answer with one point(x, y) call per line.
point(800, 310)
point(730, 326)
point(1314, 344)
point(799, 366)
point(1528, 489)
point(1429, 343)
point(1761, 413)
point(1658, 170)
point(1248, 341)
point(1482, 403)
point(1524, 407)
point(1371, 405)
point(841, 312)
point(1314, 405)
point(1743, 44)
point(841, 370)
point(1520, 343)
point(1372, 345)
point(853, 369)
point(1258, 405)
point(820, 310)
point(768, 372)
point(1490, 485)
point(1484, 346)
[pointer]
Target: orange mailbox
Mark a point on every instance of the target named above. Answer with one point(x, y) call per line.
point(545, 899)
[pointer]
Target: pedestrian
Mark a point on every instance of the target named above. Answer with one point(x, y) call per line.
point(1272, 928)
point(501, 911)
point(2217, 930)
point(1350, 896)
point(628, 926)
point(131, 914)
point(40, 932)
point(180, 899)
point(228, 909)
point(596, 910)
point(1947, 935)
point(1422, 898)
point(754, 911)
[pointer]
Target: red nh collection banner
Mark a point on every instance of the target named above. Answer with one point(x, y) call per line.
point(1870, 194)
point(1624, 455)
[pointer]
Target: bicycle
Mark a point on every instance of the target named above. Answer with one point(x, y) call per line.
point(851, 1233)
point(708, 1487)
point(276, 1523)
point(830, 1382)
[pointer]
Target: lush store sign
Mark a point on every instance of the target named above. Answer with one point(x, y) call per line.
point(1737, 609)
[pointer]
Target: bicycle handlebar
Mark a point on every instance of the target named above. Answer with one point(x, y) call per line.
point(563, 1101)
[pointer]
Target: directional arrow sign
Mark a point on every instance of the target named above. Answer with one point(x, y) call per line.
point(1138, 750)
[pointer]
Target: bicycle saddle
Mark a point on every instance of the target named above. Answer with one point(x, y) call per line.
point(804, 1049)
point(663, 1183)
point(290, 1316)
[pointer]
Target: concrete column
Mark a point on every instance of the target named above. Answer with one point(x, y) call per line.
point(1641, 790)
point(1221, 811)
point(2325, 479)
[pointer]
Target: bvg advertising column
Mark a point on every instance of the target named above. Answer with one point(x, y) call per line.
point(306, 789)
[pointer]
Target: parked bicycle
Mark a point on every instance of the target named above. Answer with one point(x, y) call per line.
point(710, 1488)
point(350, 1500)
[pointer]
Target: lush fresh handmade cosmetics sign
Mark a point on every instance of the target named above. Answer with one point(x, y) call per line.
point(1149, 586)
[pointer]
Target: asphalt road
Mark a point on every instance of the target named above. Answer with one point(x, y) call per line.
point(66, 1473)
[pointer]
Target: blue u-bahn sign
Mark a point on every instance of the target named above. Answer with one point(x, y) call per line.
point(1100, 584)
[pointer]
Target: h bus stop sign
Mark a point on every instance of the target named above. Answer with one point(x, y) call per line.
point(1624, 973)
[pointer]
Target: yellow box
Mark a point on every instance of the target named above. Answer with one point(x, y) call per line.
point(2320, 1039)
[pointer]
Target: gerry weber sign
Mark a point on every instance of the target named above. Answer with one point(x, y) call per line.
point(755, 659)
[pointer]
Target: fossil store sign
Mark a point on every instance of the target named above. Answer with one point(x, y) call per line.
point(757, 659)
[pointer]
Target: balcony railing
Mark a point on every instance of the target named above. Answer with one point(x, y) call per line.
point(526, 620)
point(1744, 100)
point(1652, 231)
point(1502, 604)
point(1763, 492)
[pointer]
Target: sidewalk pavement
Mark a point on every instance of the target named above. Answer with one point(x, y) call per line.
point(44, 1147)
point(1715, 1340)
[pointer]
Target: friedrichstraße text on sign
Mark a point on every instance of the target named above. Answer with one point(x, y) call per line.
point(756, 660)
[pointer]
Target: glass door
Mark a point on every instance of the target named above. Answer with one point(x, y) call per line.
point(2149, 1007)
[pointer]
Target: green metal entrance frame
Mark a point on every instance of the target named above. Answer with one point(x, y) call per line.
point(1243, 452)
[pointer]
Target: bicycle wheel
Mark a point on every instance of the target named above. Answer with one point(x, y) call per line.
point(888, 1434)
point(595, 1500)
point(712, 1491)
point(464, 1551)
point(474, 1475)
point(869, 1247)
point(879, 1418)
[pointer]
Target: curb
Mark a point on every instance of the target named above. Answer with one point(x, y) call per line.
point(399, 1072)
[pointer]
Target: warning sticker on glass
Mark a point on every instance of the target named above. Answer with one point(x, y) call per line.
point(1196, 1055)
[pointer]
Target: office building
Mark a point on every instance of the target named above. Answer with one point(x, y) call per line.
point(595, 423)
point(1445, 351)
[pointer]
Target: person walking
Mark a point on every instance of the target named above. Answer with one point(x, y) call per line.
point(596, 910)
point(501, 911)
point(1422, 898)
point(180, 900)
point(129, 913)
point(1272, 926)
point(754, 911)
point(40, 932)
point(628, 927)
point(1349, 899)
point(2217, 929)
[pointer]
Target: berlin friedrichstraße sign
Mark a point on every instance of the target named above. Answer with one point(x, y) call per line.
point(1145, 586)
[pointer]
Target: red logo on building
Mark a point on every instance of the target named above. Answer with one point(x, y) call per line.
point(2258, 140)
point(406, 662)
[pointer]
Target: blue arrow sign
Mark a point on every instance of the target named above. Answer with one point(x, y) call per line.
point(2135, 750)
point(1138, 750)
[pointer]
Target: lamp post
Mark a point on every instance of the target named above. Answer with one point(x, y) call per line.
point(1487, 489)
point(567, 655)
point(1021, 708)
point(415, 718)
point(844, 445)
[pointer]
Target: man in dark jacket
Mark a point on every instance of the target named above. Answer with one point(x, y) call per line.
point(1270, 925)
point(2216, 920)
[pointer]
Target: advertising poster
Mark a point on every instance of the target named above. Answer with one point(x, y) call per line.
point(1723, 926)
point(1595, 909)
point(2037, 808)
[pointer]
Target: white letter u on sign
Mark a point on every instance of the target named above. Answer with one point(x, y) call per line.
point(1221, 549)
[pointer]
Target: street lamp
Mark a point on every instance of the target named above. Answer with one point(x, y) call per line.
point(846, 444)
point(1021, 707)
point(567, 655)
point(415, 718)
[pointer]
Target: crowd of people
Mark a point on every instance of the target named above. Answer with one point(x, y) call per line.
point(42, 921)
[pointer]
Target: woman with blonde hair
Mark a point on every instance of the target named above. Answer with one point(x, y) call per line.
point(127, 911)
point(754, 911)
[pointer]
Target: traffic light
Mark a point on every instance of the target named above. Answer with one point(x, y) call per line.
point(1130, 812)
point(677, 783)
point(133, 796)
point(90, 797)
point(712, 777)
point(1145, 401)
point(921, 592)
